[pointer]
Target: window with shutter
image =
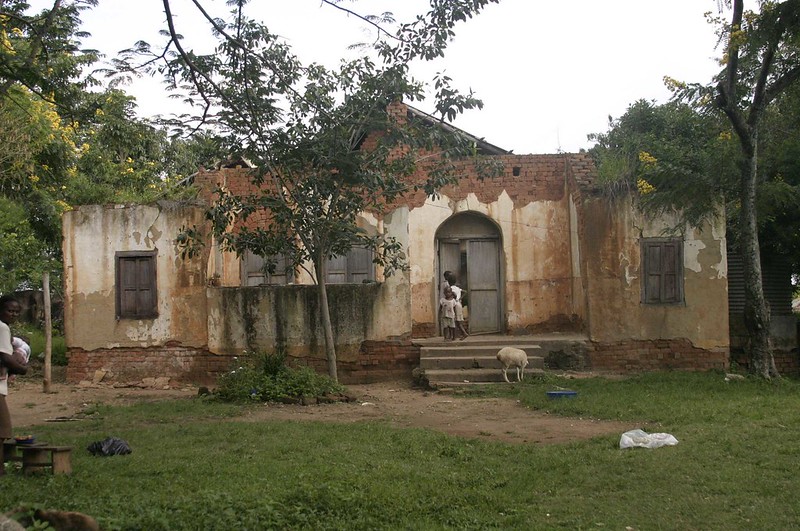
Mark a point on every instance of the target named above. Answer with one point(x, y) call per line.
point(136, 296)
point(255, 274)
point(662, 271)
point(354, 268)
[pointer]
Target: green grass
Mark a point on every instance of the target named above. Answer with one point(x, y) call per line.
point(194, 466)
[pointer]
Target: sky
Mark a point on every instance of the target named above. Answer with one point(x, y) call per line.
point(549, 72)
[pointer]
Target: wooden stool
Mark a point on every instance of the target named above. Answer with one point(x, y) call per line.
point(37, 458)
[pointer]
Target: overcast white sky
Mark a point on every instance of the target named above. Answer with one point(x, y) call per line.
point(549, 72)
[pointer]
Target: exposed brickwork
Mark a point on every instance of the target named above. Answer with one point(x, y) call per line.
point(525, 178)
point(420, 330)
point(237, 181)
point(377, 361)
point(660, 354)
point(182, 365)
point(787, 363)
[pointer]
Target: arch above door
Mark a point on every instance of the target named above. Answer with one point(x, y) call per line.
point(470, 245)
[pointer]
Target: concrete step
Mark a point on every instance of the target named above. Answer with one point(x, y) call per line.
point(466, 350)
point(462, 361)
point(558, 339)
point(439, 378)
point(562, 351)
point(474, 360)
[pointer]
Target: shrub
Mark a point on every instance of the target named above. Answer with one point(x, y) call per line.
point(265, 377)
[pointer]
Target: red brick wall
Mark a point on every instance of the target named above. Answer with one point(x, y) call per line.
point(787, 363)
point(424, 330)
point(539, 178)
point(652, 355)
point(378, 361)
point(181, 365)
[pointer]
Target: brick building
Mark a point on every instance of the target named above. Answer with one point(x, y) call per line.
point(537, 249)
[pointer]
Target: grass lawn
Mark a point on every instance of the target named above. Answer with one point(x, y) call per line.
point(195, 467)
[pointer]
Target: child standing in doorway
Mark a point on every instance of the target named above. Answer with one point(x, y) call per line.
point(447, 306)
point(459, 309)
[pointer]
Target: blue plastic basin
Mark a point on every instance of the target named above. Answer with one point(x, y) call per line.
point(562, 394)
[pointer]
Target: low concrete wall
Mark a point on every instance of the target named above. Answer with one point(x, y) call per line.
point(783, 332)
point(269, 318)
point(377, 361)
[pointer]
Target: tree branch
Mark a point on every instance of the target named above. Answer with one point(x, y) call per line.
point(368, 20)
point(35, 48)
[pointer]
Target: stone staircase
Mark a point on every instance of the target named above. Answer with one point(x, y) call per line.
point(473, 361)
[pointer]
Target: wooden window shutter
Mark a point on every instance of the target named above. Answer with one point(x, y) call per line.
point(662, 267)
point(360, 266)
point(337, 270)
point(652, 268)
point(670, 291)
point(136, 285)
point(254, 274)
point(354, 268)
point(252, 270)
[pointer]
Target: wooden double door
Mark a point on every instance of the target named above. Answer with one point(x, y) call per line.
point(476, 264)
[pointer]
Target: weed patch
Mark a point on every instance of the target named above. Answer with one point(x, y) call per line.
point(264, 377)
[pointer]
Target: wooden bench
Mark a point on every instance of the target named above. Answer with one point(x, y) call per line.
point(8, 451)
point(36, 458)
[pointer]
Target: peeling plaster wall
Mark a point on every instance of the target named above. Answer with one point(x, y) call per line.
point(422, 225)
point(611, 250)
point(538, 264)
point(578, 289)
point(536, 253)
point(393, 316)
point(92, 236)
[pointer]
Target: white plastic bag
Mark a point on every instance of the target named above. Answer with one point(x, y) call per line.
point(641, 439)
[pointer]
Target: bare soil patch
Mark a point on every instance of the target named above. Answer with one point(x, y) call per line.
point(397, 403)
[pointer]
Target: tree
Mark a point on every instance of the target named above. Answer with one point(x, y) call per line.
point(42, 51)
point(760, 54)
point(40, 71)
point(325, 142)
point(759, 65)
point(778, 194)
point(23, 257)
point(35, 151)
point(123, 158)
point(62, 144)
point(674, 157)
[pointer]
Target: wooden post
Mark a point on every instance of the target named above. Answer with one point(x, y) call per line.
point(48, 333)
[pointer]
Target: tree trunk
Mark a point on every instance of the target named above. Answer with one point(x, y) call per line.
point(48, 333)
point(756, 310)
point(325, 317)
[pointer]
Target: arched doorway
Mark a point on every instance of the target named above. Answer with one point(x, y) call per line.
point(470, 245)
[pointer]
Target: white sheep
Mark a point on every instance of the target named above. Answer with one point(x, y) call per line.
point(513, 357)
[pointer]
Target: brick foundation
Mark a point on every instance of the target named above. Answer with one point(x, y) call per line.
point(179, 364)
point(787, 363)
point(661, 354)
point(377, 361)
point(420, 330)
